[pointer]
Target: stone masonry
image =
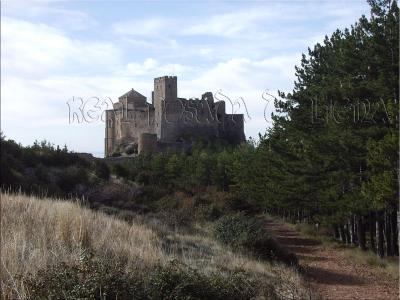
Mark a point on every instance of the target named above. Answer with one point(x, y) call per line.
point(168, 123)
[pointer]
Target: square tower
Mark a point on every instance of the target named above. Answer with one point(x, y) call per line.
point(165, 90)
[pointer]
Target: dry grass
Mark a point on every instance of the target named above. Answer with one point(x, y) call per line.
point(388, 266)
point(38, 233)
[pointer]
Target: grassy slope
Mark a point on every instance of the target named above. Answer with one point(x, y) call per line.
point(39, 233)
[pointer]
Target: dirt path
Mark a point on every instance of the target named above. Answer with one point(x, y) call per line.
point(330, 272)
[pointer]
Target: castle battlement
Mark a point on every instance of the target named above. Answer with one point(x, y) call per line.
point(135, 126)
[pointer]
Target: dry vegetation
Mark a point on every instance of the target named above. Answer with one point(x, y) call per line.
point(38, 234)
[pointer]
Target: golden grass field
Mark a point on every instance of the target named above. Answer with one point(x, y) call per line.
point(38, 233)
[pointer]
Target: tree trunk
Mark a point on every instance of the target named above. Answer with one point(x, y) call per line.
point(379, 233)
point(355, 230)
point(361, 232)
point(347, 232)
point(392, 224)
point(388, 233)
point(372, 231)
point(336, 233)
point(395, 232)
point(342, 233)
point(350, 225)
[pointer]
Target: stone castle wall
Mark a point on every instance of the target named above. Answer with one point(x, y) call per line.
point(168, 120)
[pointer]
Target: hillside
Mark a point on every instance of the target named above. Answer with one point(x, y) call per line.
point(60, 249)
point(310, 206)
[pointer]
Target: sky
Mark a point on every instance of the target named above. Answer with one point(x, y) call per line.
point(56, 55)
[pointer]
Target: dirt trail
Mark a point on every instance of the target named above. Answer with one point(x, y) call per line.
point(332, 274)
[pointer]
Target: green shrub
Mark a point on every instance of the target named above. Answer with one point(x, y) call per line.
point(101, 170)
point(174, 219)
point(143, 177)
point(234, 230)
point(120, 170)
point(208, 212)
point(92, 279)
point(89, 279)
point(236, 203)
point(179, 282)
point(240, 231)
point(72, 176)
point(169, 202)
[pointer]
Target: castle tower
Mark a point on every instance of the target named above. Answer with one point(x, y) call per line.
point(165, 93)
point(110, 133)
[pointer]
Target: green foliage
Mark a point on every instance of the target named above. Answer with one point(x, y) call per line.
point(239, 231)
point(101, 170)
point(92, 279)
point(71, 177)
point(208, 212)
point(44, 169)
point(235, 230)
point(177, 282)
point(89, 279)
point(120, 170)
point(332, 151)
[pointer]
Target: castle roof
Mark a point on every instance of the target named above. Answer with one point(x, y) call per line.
point(132, 94)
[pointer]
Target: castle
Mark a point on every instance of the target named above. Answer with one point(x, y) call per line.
point(168, 123)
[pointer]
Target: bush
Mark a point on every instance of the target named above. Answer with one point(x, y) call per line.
point(178, 282)
point(234, 230)
point(237, 203)
point(143, 177)
point(101, 170)
point(120, 196)
point(120, 170)
point(92, 279)
point(173, 219)
point(240, 231)
point(89, 279)
point(208, 212)
point(71, 176)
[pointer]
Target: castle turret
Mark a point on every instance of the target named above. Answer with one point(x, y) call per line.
point(165, 88)
point(110, 133)
point(165, 93)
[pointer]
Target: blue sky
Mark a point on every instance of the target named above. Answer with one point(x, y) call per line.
point(52, 51)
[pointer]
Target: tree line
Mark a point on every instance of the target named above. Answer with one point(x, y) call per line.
point(331, 156)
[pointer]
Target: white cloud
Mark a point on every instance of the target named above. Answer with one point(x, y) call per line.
point(36, 49)
point(42, 68)
point(228, 24)
point(143, 27)
point(55, 15)
point(243, 74)
point(151, 68)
